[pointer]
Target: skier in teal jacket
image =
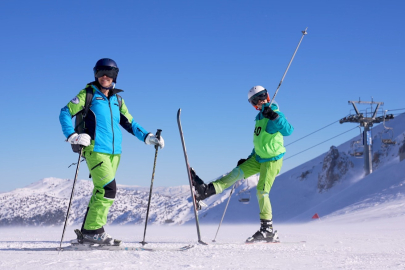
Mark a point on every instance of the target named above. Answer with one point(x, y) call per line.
point(266, 158)
point(101, 140)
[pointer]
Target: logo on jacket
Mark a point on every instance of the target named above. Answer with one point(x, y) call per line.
point(75, 100)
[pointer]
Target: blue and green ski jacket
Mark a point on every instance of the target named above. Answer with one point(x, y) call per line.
point(102, 122)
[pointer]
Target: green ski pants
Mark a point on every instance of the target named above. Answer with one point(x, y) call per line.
point(268, 172)
point(102, 168)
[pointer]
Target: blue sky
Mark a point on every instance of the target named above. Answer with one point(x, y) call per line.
point(201, 56)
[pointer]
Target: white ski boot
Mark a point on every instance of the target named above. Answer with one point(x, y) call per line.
point(264, 234)
point(96, 239)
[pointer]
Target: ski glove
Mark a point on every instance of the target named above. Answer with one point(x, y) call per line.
point(269, 113)
point(82, 139)
point(241, 161)
point(152, 139)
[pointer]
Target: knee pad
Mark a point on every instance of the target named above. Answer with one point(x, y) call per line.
point(110, 190)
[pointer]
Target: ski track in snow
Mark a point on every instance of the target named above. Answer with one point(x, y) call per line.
point(341, 242)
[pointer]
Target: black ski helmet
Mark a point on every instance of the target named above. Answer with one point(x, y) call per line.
point(107, 67)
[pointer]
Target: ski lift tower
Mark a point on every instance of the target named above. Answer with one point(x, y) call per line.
point(367, 123)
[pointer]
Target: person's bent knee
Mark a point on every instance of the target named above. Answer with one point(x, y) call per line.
point(261, 194)
point(110, 190)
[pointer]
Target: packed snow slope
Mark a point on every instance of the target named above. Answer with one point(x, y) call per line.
point(330, 185)
point(341, 242)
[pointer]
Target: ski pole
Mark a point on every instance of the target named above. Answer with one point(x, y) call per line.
point(233, 187)
point(151, 187)
point(71, 197)
point(289, 64)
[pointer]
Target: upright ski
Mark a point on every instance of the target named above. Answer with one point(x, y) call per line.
point(189, 179)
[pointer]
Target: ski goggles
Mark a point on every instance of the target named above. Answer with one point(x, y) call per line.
point(262, 95)
point(111, 72)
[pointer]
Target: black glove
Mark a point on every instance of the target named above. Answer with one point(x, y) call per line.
point(241, 161)
point(269, 113)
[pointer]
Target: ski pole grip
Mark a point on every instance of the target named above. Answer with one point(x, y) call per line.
point(158, 133)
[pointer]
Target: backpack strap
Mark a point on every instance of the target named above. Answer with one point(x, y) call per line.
point(89, 98)
point(119, 98)
point(80, 117)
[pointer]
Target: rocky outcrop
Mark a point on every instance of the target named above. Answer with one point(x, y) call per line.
point(335, 165)
point(304, 175)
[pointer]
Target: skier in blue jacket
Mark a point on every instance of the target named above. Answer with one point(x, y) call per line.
point(101, 140)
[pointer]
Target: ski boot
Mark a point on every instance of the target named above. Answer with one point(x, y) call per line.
point(103, 239)
point(202, 190)
point(264, 234)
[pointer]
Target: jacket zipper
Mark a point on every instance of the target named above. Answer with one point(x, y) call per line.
point(112, 125)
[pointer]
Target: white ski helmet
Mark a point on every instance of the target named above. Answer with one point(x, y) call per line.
point(257, 93)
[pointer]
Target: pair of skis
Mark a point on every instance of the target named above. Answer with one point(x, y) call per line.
point(75, 246)
point(78, 245)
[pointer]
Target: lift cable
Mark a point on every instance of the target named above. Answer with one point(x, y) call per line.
point(312, 133)
point(321, 143)
point(396, 110)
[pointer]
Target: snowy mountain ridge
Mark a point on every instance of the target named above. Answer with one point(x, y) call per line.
point(45, 203)
point(331, 184)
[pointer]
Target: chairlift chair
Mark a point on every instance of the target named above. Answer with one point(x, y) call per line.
point(244, 194)
point(168, 198)
point(357, 148)
point(167, 220)
point(387, 135)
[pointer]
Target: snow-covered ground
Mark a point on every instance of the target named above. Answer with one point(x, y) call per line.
point(359, 240)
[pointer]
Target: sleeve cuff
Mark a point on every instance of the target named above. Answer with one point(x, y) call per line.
point(144, 140)
point(70, 136)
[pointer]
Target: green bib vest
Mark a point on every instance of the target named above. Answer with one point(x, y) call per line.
point(267, 145)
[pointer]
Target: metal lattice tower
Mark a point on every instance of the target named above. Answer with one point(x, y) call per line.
point(367, 123)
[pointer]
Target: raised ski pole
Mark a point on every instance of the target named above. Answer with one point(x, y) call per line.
point(230, 194)
point(71, 197)
point(289, 64)
point(189, 178)
point(151, 187)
